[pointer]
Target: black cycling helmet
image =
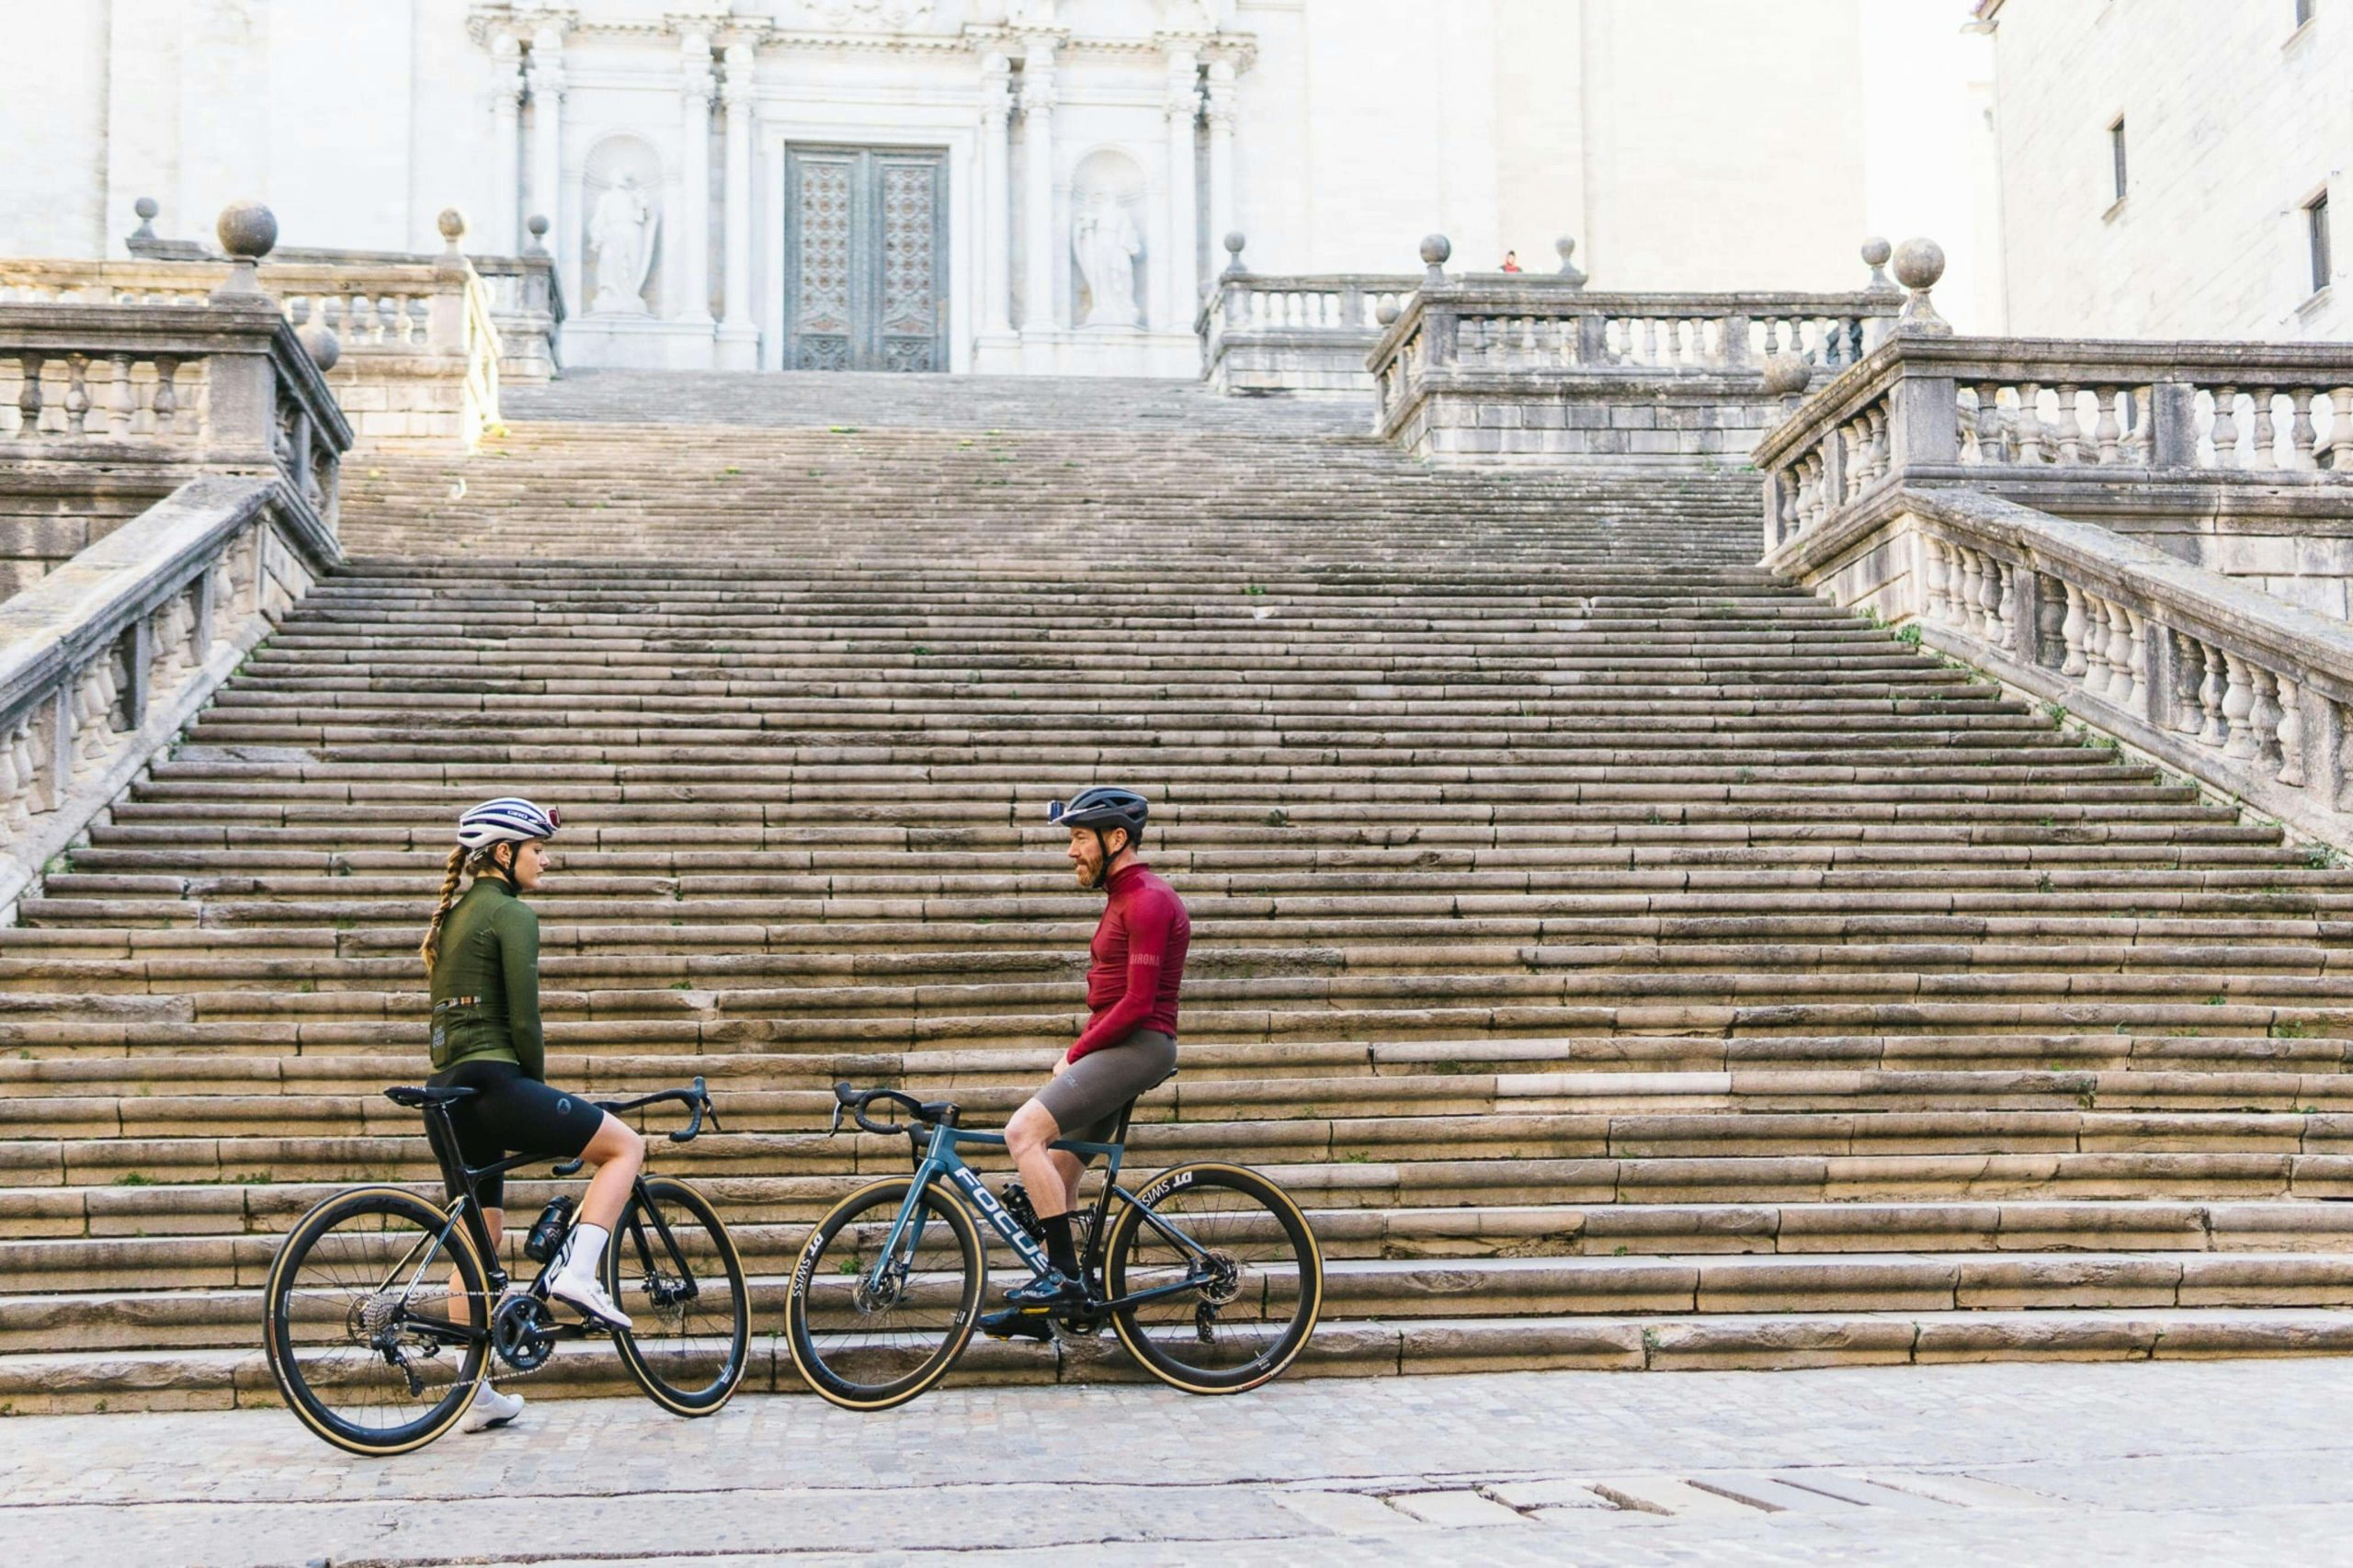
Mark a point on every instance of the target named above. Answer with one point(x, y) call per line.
point(1102, 809)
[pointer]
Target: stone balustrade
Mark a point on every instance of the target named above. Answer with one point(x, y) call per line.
point(223, 385)
point(421, 349)
point(1302, 335)
point(106, 658)
point(1540, 368)
point(2218, 679)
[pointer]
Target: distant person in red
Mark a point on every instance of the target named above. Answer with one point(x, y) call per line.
point(1511, 261)
point(1128, 1047)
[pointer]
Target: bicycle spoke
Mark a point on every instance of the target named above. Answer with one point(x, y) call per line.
point(1241, 1286)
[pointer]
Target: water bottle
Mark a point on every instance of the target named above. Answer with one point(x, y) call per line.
point(1016, 1199)
point(547, 1234)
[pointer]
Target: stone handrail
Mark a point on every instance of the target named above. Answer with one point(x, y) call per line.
point(2225, 682)
point(2034, 418)
point(106, 658)
point(221, 386)
point(526, 304)
point(1319, 303)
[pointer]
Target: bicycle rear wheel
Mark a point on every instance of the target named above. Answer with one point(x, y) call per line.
point(1251, 1280)
point(358, 1319)
point(672, 1268)
point(867, 1330)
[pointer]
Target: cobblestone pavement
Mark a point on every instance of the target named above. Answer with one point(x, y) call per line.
point(2207, 1463)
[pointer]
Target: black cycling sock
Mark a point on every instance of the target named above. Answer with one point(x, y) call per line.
point(1060, 1251)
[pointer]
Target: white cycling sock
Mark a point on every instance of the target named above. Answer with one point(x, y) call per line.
point(583, 1255)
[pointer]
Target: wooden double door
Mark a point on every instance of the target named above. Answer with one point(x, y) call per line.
point(865, 259)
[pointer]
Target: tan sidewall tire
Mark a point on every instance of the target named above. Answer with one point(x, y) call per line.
point(306, 1228)
point(627, 1347)
point(796, 1325)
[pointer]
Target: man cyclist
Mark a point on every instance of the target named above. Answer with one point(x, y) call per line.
point(1128, 1044)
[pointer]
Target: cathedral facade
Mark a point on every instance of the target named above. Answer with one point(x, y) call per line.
point(1040, 185)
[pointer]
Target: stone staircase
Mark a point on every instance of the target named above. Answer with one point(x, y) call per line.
point(1628, 961)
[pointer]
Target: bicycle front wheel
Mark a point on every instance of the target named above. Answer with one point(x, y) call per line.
point(672, 1268)
point(1243, 1278)
point(373, 1346)
point(872, 1320)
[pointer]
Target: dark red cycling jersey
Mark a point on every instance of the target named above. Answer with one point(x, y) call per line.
point(1138, 959)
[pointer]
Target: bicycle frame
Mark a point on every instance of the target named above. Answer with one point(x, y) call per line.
point(464, 1206)
point(940, 1159)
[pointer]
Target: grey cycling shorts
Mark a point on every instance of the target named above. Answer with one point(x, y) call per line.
point(1086, 1100)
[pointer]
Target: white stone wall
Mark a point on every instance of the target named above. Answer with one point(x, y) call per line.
point(2234, 119)
point(1684, 143)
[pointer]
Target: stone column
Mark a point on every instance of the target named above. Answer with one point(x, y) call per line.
point(546, 78)
point(502, 231)
point(1041, 254)
point(1220, 113)
point(997, 215)
point(690, 237)
point(1181, 269)
point(738, 337)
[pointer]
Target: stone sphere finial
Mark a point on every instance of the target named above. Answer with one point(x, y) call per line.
point(1571, 272)
point(325, 348)
point(1786, 376)
point(452, 224)
point(1388, 312)
point(1233, 244)
point(537, 224)
point(1436, 249)
point(146, 206)
point(1918, 264)
point(248, 230)
point(1875, 253)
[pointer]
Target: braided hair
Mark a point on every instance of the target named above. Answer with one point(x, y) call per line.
point(461, 861)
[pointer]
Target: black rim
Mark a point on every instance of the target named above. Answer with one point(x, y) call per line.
point(673, 1270)
point(363, 1328)
point(872, 1336)
point(1256, 1290)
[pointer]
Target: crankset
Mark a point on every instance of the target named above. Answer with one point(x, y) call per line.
point(522, 1333)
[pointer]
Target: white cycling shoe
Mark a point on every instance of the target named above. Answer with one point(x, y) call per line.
point(588, 1298)
point(490, 1408)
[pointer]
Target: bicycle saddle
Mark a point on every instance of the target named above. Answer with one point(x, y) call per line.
point(419, 1098)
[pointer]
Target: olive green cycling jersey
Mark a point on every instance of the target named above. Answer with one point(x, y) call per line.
point(486, 982)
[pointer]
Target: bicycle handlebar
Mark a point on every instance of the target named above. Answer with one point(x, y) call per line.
point(855, 1101)
point(693, 1095)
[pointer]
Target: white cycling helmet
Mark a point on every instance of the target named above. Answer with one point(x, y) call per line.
point(507, 820)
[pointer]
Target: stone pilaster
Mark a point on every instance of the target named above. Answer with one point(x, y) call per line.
point(996, 202)
point(502, 227)
point(1220, 115)
point(546, 83)
point(1180, 268)
point(691, 235)
point(738, 337)
point(1040, 253)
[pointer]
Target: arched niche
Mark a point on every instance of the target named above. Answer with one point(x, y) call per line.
point(1110, 268)
point(628, 170)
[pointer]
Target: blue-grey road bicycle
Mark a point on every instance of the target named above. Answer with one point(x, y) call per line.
point(1208, 1273)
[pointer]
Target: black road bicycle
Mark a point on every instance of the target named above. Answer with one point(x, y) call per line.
point(384, 1308)
point(1208, 1273)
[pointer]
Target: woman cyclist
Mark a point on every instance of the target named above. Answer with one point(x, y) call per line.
point(482, 951)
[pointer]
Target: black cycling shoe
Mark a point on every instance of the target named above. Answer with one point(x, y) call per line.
point(1050, 1292)
point(1016, 1323)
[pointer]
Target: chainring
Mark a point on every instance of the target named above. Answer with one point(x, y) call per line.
point(519, 1332)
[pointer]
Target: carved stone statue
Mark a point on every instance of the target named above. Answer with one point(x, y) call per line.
point(1105, 239)
point(622, 229)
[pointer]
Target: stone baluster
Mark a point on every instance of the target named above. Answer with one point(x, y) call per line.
point(2005, 608)
point(2071, 427)
point(2261, 436)
point(2096, 671)
point(29, 394)
point(2302, 436)
point(2290, 732)
point(2214, 729)
point(77, 393)
point(122, 409)
point(166, 400)
point(1933, 578)
point(2029, 442)
point(2189, 670)
point(2262, 717)
point(2074, 629)
point(2340, 430)
point(1989, 423)
point(2226, 428)
point(2107, 435)
point(2128, 652)
point(2238, 708)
